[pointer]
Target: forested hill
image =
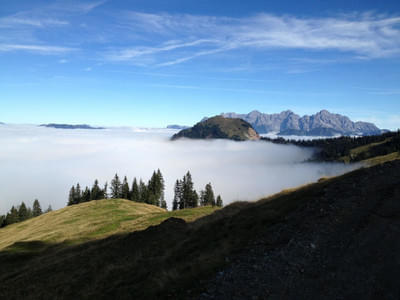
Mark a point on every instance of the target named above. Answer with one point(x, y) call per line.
point(219, 127)
point(351, 149)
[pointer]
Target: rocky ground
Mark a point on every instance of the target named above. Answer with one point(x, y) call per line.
point(343, 245)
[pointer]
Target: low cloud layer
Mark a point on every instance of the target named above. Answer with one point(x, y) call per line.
point(44, 163)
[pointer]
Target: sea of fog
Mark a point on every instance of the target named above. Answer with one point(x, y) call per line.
point(43, 163)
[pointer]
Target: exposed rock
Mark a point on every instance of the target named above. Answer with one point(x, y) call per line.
point(322, 123)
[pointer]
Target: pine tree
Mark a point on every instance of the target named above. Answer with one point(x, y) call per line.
point(143, 193)
point(195, 199)
point(219, 201)
point(37, 210)
point(202, 198)
point(71, 197)
point(189, 196)
point(104, 191)
point(177, 195)
point(209, 198)
point(29, 212)
point(22, 212)
point(78, 194)
point(96, 193)
point(153, 190)
point(115, 187)
point(2, 221)
point(86, 195)
point(135, 195)
point(161, 189)
point(12, 216)
point(125, 189)
point(49, 209)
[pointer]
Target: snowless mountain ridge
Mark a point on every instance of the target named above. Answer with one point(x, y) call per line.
point(322, 123)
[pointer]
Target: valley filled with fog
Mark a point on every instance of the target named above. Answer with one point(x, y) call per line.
point(43, 163)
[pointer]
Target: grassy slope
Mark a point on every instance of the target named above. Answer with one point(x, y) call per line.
point(91, 220)
point(164, 260)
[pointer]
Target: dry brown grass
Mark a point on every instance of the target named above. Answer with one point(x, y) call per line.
point(92, 220)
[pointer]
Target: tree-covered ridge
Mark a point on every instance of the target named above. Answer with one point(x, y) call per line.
point(349, 149)
point(151, 192)
point(21, 213)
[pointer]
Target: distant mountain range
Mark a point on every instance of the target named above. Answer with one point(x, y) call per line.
point(174, 126)
point(68, 126)
point(322, 123)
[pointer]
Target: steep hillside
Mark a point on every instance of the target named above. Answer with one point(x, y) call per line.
point(335, 239)
point(322, 123)
point(219, 128)
point(91, 220)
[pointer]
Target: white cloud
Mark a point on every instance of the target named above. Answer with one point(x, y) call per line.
point(42, 49)
point(47, 162)
point(16, 20)
point(362, 35)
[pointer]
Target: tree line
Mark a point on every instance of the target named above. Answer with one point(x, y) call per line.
point(185, 196)
point(150, 193)
point(22, 212)
point(332, 149)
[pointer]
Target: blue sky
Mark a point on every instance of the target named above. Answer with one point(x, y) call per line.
point(153, 63)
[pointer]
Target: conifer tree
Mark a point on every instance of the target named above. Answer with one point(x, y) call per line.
point(219, 201)
point(2, 221)
point(202, 198)
point(135, 195)
point(49, 209)
point(195, 199)
point(144, 197)
point(189, 195)
point(29, 212)
point(104, 192)
point(22, 212)
point(153, 190)
point(12, 216)
point(209, 198)
point(86, 195)
point(78, 194)
point(161, 189)
point(177, 195)
point(96, 193)
point(115, 187)
point(125, 189)
point(36, 210)
point(71, 197)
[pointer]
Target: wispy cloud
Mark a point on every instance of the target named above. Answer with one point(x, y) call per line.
point(42, 49)
point(20, 20)
point(362, 36)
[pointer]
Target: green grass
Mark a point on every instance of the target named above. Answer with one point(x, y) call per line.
point(90, 221)
point(382, 159)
